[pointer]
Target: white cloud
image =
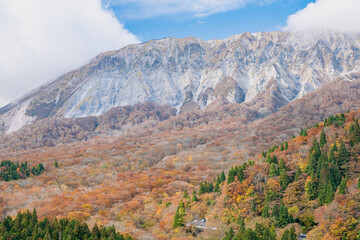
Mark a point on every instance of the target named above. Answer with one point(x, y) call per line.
point(42, 39)
point(327, 15)
point(139, 9)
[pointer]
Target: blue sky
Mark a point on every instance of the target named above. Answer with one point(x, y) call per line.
point(254, 17)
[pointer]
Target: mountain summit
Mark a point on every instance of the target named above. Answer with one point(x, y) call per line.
point(191, 73)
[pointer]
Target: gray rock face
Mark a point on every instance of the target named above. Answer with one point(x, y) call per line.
point(169, 71)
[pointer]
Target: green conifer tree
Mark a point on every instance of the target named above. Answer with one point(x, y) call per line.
point(241, 223)
point(275, 211)
point(343, 159)
point(342, 187)
point(268, 158)
point(274, 160)
point(185, 194)
point(179, 215)
point(231, 175)
point(273, 170)
point(265, 212)
point(282, 165)
point(335, 176)
point(218, 179)
point(240, 174)
point(222, 177)
point(322, 141)
point(250, 234)
point(329, 193)
point(298, 173)
point(311, 189)
point(284, 218)
point(292, 234)
point(334, 148)
point(286, 235)
point(194, 197)
point(355, 134)
point(217, 187)
point(229, 235)
point(284, 179)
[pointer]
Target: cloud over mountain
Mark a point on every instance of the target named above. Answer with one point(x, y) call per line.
point(327, 15)
point(41, 39)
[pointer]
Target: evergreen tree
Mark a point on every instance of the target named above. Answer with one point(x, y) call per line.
point(272, 232)
point(286, 145)
point(274, 160)
point(359, 182)
point(231, 175)
point(194, 198)
point(286, 235)
point(314, 156)
point(343, 159)
point(275, 211)
point(323, 183)
point(241, 223)
point(265, 212)
point(335, 176)
point(210, 187)
point(298, 173)
point(222, 177)
point(95, 233)
point(229, 235)
point(284, 179)
point(273, 170)
point(342, 187)
point(292, 234)
point(312, 163)
point(179, 215)
point(34, 217)
point(311, 189)
point(322, 141)
point(303, 132)
point(329, 193)
point(185, 194)
point(56, 164)
point(282, 165)
point(250, 234)
point(334, 148)
point(284, 217)
point(217, 187)
point(201, 189)
point(293, 136)
point(355, 133)
point(282, 147)
point(315, 148)
point(268, 158)
point(240, 174)
point(218, 179)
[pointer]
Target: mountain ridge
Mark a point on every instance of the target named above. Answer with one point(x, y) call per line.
point(168, 70)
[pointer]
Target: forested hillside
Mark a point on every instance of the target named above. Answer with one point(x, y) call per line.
point(305, 184)
point(308, 184)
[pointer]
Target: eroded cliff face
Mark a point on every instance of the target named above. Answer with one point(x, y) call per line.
point(191, 73)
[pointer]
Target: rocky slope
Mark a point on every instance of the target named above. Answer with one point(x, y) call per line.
point(191, 73)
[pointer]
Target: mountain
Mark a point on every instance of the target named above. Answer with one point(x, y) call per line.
point(191, 74)
point(135, 180)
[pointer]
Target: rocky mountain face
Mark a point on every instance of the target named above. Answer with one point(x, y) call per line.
point(191, 73)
